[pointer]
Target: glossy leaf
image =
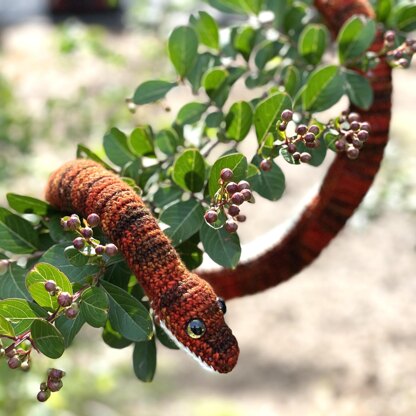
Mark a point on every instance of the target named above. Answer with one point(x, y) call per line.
point(167, 141)
point(190, 113)
point(189, 170)
point(75, 257)
point(27, 204)
point(269, 184)
point(214, 82)
point(190, 254)
point(165, 339)
point(238, 120)
point(113, 339)
point(184, 218)
point(224, 248)
point(235, 161)
point(127, 315)
point(48, 340)
point(383, 9)
point(355, 37)
point(267, 51)
point(12, 283)
point(291, 80)
point(324, 88)
point(203, 62)
point(116, 147)
point(207, 29)
point(150, 91)
point(141, 141)
point(358, 89)
point(69, 328)
point(183, 46)
point(404, 17)
point(214, 120)
point(94, 306)
point(237, 6)
point(6, 328)
point(144, 360)
point(312, 43)
point(84, 153)
point(166, 194)
point(244, 41)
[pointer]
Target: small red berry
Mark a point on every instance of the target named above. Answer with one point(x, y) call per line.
point(234, 210)
point(237, 198)
point(64, 299)
point(365, 126)
point(99, 249)
point(54, 384)
point(211, 216)
point(247, 194)
point(231, 188)
point(14, 362)
point(43, 395)
point(93, 220)
point(79, 243)
point(314, 129)
point(86, 232)
point(50, 286)
point(287, 115)
point(226, 174)
point(230, 226)
point(305, 157)
point(353, 153)
point(301, 129)
point(243, 185)
point(363, 135)
point(265, 165)
point(111, 249)
point(71, 312)
point(241, 218)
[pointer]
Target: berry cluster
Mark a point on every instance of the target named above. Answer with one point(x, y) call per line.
point(227, 201)
point(401, 55)
point(16, 357)
point(53, 384)
point(353, 134)
point(85, 239)
point(65, 299)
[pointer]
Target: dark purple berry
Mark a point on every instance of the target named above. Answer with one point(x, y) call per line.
point(363, 135)
point(305, 157)
point(43, 396)
point(287, 115)
point(301, 129)
point(231, 188)
point(265, 165)
point(390, 36)
point(14, 362)
point(230, 226)
point(56, 373)
point(340, 145)
point(87, 232)
point(99, 249)
point(355, 125)
point(211, 216)
point(365, 126)
point(93, 220)
point(310, 144)
point(79, 243)
point(226, 174)
point(11, 353)
point(353, 153)
point(243, 185)
point(348, 136)
point(398, 55)
point(309, 137)
point(111, 249)
point(50, 286)
point(64, 299)
point(241, 218)
point(73, 223)
point(247, 194)
point(71, 313)
point(296, 156)
point(233, 210)
point(54, 385)
point(353, 117)
point(357, 143)
point(282, 126)
point(291, 148)
point(43, 386)
point(314, 129)
point(237, 198)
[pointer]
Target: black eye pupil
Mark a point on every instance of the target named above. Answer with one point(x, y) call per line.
point(195, 328)
point(221, 304)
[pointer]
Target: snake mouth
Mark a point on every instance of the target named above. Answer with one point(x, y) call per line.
point(198, 359)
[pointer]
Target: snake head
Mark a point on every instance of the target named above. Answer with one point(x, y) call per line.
point(193, 316)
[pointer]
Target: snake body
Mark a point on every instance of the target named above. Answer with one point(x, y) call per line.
point(185, 304)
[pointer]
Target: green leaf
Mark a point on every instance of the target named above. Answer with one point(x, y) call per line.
point(237, 6)
point(404, 17)
point(224, 248)
point(267, 113)
point(16, 234)
point(293, 20)
point(267, 51)
point(113, 339)
point(214, 120)
point(165, 339)
point(166, 194)
point(75, 257)
point(69, 328)
point(144, 360)
point(190, 254)
point(235, 161)
point(270, 184)
point(324, 88)
point(56, 232)
point(207, 29)
point(183, 46)
point(383, 9)
point(83, 151)
point(127, 315)
point(56, 256)
point(48, 340)
point(244, 41)
point(214, 82)
point(189, 170)
point(35, 283)
point(318, 154)
point(330, 137)
point(116, 148)
point(203, 62)
point(355, 37)
point(6, 329)
point(12, 283)
point(21, 313)
point(167, 141)
point(312, 43)
point(94, 306)
point(358, 89)
point(190, 113)
point(238, 120)
point(150, 91)
point(27, 204)
point(141, 141)
point(291, 80)
point(184, 218)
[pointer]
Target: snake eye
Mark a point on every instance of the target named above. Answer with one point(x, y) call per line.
point(221, 304)
point(195, 328)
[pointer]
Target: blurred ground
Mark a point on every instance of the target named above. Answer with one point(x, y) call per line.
point(339, 339)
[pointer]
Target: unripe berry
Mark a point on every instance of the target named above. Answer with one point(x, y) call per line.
point(79, 243)
point(50, 286)
point(64, 299)
point(365, 126)
point(231, 188)
point(226, 174)
point(309, 137)
point(243, 185)
point(237, 198)
point(247, 194)
point(99, 249)
point(14, 362)
point(291, 148)
point(43, 386)
point(111, 249)
point(241, 218)
point(353, 117)
point(353, 153)
point(43, 395)
point(233, 210)
point(301, 129)
point(363, 135)
point(265, 165)
point(87, 232)
point(64, 224)
point(314, 129)
point(93, 220)
point(71, 312)
point(355, 125)
point(4, 265)
point(211, 216)
point(287, 115)
point(25, 366)
point(54, 385)
point(305, 157)
point(230, 226)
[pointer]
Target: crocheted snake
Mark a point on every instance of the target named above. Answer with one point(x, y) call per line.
point(185, 304)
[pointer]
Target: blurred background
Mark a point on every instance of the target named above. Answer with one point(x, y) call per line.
point(339, 339)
